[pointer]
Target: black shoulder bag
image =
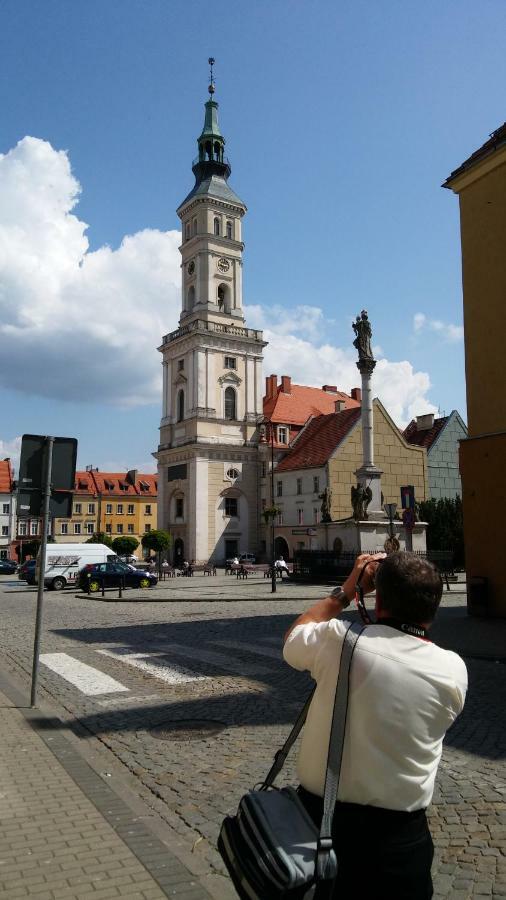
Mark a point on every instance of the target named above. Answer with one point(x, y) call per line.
point(271, 847)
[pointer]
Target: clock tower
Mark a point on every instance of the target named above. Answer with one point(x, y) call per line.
point(212, 373)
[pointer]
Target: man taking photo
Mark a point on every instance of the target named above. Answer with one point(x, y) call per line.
point(405, 692)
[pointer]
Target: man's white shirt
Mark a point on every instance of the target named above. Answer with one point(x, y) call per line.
point(404, 694)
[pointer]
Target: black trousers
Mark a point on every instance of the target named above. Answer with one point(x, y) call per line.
point(383, 854)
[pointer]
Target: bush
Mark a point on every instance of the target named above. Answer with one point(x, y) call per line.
point(125, 545)
point(445, 526)
point(100, 537)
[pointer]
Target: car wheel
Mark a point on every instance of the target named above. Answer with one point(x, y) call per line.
point(144, 583)
point(94, 586)
point(30, 581)
point(58, 584)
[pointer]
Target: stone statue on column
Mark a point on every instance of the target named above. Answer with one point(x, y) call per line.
point(363, 331)
point(366, 496)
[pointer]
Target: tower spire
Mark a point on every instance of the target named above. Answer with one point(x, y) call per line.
point(211, 143)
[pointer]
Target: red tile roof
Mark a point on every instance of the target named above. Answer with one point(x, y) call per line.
point(496, 140)
point(319, 439)
point(296, 407)
point(98, 483)
point(6, 476)
point(426, 437)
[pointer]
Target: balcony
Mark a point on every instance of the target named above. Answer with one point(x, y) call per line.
point(215, 327)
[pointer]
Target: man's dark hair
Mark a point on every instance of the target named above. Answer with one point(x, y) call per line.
point(409, 587)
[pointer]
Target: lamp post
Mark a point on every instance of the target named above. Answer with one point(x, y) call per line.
point(273, 568)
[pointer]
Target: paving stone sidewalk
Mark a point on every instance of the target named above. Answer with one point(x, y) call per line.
point(64, 834)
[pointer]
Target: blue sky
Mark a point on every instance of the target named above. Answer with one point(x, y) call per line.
point(341, 119)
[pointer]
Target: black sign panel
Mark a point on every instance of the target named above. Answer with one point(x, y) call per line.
point(176, 473)
point(31, 465)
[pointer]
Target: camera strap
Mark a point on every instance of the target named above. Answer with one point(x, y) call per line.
point(406, 627)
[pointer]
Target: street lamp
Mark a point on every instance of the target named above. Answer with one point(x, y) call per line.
point(273, 567)
point(390, 509)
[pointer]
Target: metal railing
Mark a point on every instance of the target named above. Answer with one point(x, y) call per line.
point(215, 327)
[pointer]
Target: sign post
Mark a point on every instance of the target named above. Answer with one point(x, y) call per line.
point(47, 471)
point(46, 496)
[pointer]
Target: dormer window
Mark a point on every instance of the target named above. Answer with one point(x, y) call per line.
point(282, 434)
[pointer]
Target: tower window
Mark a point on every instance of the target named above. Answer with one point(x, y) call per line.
point(194, 226)
point(191, 297)
point(229, 230)
point(216, 226)
point(187, 231)
point(230, 362)
point(231, 506)
point(180, 365)
point(230, 403)
point(179, 508)
point(180, 406)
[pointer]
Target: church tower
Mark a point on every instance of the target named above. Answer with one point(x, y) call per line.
point(212, 373)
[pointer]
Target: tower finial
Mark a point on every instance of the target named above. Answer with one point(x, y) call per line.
point(211, 87)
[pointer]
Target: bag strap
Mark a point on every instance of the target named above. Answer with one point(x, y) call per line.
point(280, 756)
point(325, 865)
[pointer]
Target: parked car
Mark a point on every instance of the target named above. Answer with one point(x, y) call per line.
point(248, 558)
point(26, 571)
point(111, 574)
point(7, 566)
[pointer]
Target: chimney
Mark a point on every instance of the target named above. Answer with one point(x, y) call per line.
point(271, 386)
point(425, 422)
point(286, 384)
point(356, 394)
point(132, 476)
point(330, 388)
point(339, 405)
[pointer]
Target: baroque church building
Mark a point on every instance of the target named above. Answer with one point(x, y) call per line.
point(208, 456)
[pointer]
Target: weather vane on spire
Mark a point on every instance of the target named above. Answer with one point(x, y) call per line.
point(211, 87)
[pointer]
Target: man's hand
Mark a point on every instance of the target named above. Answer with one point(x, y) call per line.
point(365, 570)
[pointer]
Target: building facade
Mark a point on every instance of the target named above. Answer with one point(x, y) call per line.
point(480, 183)
point(441, 438)
point(212, 375)
point(7, 509)
point(117, 504)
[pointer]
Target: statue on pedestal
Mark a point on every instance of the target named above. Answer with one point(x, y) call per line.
point(363, 331)
point(326, 498)
point(360, 499)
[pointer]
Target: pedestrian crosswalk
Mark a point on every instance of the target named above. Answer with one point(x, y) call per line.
point(169, 662)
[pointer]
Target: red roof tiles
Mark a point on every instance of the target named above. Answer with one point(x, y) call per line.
point(297, 406)
point(424, 438)
point(116, 483)
point(319, 439)
point(6, 476)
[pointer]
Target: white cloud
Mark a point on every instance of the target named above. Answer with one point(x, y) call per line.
point(84, 325)
point(448, 332)
point(11, 450)
point(74, 323)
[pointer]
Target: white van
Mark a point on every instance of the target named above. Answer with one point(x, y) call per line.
point(65, 561)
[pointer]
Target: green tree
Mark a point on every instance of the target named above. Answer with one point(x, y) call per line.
point(125, 545)
point(157, 540)
point(100, 537)
point(445, 523)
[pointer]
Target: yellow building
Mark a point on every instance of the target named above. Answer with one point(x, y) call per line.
point(119, 504)
point(480, 183)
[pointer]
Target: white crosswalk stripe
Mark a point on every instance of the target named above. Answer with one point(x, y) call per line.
point(153, 664)
point(225, 662)
point(88, 680)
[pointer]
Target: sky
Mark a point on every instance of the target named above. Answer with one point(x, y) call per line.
point(342, 120)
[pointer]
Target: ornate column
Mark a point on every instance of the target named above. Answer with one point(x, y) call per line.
point(368, 475)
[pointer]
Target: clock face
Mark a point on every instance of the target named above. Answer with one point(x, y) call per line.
point(191, 267)
point(223, 265)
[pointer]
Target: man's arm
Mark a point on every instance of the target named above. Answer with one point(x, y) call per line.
point(332, 606)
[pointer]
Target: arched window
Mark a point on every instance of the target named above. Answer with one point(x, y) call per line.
point(194, 226)
point(209, 150)
point(187, 231)
point(216, 225)
point(224, 298)
point(217, 150)
point(229, 230)
point(230, 403)
point(180, 406)
point(191, 297)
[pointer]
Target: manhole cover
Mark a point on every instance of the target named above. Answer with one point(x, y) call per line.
point(187, 730)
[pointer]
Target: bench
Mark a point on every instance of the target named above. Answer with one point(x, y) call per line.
point(207, 568)
point(279, 572)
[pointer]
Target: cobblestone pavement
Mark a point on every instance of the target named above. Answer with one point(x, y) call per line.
point(208, 650)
